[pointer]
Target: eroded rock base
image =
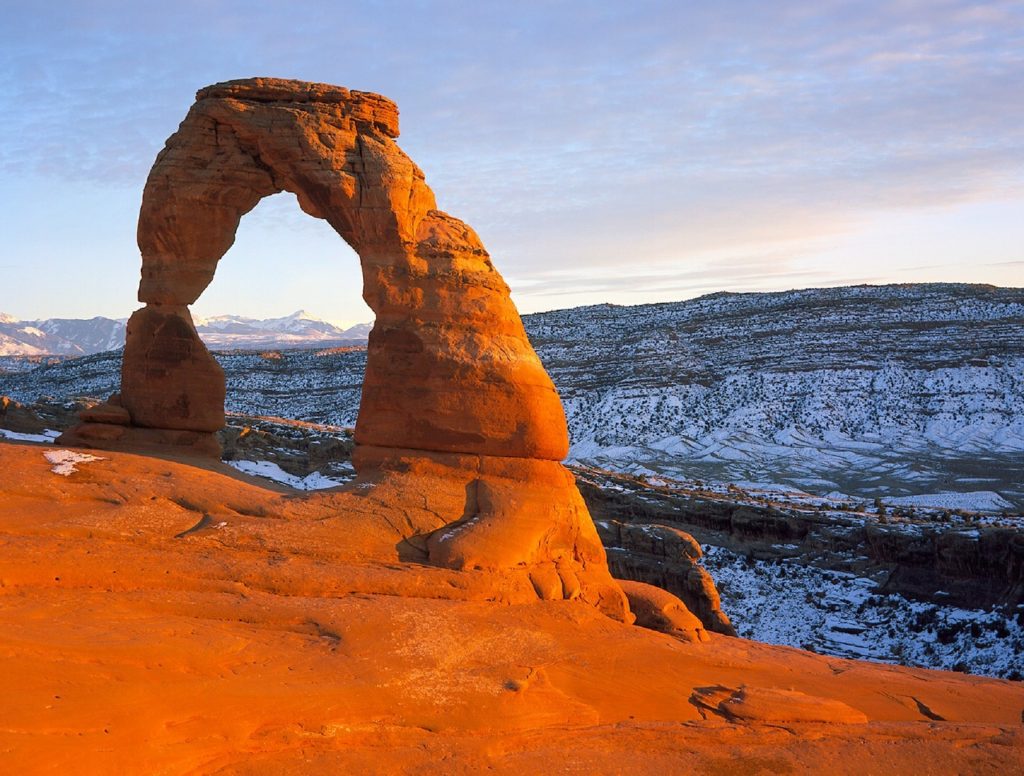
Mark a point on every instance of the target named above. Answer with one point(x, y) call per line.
point(163, 618)
point(171, 442)
point(485, 513)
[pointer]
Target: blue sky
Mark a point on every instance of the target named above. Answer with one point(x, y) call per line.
point(619, 152)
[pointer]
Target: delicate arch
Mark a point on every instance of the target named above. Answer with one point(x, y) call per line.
point(449, 367)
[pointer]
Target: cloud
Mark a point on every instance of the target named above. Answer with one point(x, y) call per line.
point(585, 134)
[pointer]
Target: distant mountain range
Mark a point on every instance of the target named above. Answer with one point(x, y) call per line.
point(82, 337)
point(59, 336)
point(298, 330)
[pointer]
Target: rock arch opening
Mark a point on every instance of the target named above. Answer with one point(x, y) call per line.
point(283, 261)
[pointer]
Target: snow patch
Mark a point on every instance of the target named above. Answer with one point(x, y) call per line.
point(454, 529)
point(271, 471)
point(842, 614)
point(976, 501)
point(65, 461)
point(48, 435)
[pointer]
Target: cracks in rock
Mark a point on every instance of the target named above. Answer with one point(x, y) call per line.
point(252, 151)
point(923, 709)
point(707, 699)
point(331, 637)
point(204, 522)
point(927, 712)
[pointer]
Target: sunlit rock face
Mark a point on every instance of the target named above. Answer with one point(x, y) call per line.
point(449, 366)
point(457, 410)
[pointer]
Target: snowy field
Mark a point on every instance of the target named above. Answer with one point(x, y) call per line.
point(841, 614)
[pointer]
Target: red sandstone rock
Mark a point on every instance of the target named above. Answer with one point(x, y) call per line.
point(169, 379)
point(449, 367)
point(455, 401)
point(98, 432)
point(521, 517)
point(167, 618)
point(15, 416)
point(106, 413)
point(761, 704)
point(659, 610)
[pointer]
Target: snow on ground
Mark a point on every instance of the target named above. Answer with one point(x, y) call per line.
point(842, 614)
point(48, 435)
point(976, 501)
point(65, 461)
point(883, 392)
point(271, 471)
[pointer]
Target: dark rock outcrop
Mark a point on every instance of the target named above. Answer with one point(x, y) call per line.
point(667, 558)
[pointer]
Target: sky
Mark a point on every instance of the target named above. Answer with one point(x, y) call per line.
point(622, 152)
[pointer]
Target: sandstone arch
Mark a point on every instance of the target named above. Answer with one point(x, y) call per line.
point(449, 366)
point(460, 429)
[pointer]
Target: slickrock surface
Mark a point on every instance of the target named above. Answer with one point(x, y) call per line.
point(159, 617)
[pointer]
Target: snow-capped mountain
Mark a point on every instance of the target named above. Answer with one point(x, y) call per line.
point(298, 330)
point(59, 336)
point(78, 337)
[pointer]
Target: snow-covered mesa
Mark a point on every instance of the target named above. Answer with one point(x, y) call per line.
point(870, 391)
point(866, 391)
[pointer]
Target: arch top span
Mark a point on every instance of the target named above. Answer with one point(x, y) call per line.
point(449, 366)
point(361, 106)
point(244, 140)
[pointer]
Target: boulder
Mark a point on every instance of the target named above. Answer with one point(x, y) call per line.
point(106, 412)
point(659, 610)
point(772, 705)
